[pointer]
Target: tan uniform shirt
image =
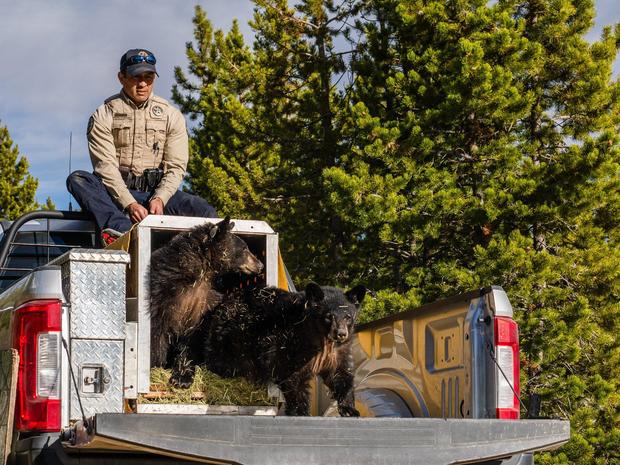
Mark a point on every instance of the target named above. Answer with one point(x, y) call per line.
point(125, 137)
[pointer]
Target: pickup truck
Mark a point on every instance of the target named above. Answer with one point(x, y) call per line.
point(437, 385)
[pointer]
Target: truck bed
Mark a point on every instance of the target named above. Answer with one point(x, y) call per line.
point(433, 363)
point(252, 440)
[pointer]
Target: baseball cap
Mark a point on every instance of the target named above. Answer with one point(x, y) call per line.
point(137, 61)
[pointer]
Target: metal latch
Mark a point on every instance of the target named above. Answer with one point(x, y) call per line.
point(95, 379)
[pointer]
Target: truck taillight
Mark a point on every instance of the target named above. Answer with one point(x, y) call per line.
point(36, 336)
point(507, 355)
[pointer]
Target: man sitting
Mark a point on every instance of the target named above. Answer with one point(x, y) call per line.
point(138, 146)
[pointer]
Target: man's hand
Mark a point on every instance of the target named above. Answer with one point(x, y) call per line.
point(156, 206)
point(136, 212)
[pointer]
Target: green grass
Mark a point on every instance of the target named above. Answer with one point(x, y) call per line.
point(212, 390)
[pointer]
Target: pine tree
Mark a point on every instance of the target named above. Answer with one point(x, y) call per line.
point(222, 167)
point(569, 144)
point(49, 204)
point(507, 120)
point(470, 143)
point(432, 126)
point(270, 124)
point(17, 186)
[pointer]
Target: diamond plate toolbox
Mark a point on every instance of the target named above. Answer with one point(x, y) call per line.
point(93, 282)
point(98, 367)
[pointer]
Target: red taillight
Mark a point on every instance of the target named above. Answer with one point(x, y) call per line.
point(36, 336)
point(507, 355)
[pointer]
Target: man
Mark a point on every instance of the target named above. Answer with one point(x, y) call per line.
point(139, 150)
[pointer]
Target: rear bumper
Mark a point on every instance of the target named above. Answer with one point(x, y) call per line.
point(47, 449)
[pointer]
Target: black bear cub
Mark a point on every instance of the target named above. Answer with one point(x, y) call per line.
point(183, 286)
point(267, 334)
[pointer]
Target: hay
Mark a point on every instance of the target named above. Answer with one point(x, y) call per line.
point(208, 388)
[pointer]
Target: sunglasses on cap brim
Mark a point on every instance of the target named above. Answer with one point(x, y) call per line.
point(136, 59)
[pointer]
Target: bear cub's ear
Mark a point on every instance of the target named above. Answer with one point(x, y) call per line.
point(218, 230)
point(314, 293)
point(356, 295)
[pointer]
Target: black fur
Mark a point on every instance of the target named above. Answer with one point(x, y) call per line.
point(267, 334)
point(183, 274)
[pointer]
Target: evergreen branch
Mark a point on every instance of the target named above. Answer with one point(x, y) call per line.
point(283, 198)
point(291, 17)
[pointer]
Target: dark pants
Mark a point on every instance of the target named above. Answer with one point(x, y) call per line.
point(93, 197)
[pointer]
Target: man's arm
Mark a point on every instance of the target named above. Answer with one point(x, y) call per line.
point(103, 156)
point(176, 154)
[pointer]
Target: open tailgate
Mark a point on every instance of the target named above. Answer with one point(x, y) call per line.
point(259, 440)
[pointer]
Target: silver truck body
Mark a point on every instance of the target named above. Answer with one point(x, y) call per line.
point(430, 365)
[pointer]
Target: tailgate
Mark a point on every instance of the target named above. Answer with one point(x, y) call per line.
point(253, 440)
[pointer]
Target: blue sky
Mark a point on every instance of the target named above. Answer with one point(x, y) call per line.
point(59, 59)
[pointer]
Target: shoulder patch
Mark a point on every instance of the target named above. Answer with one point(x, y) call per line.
point(156, 111)
point(91, 123)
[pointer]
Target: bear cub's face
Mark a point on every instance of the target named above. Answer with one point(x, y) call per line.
point(234, 253)
point(337, 310)
point(339, 323)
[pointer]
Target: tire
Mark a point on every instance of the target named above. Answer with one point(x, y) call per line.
point(377, 403)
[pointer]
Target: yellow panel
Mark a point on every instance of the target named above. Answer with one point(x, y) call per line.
point(385, 342)
point(122, 243)
point(282, 281)
point(365, 342)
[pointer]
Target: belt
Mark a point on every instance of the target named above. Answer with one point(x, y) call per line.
point(145, 182)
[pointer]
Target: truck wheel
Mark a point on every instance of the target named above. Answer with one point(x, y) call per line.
point(378, 403)
point(381, 403)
